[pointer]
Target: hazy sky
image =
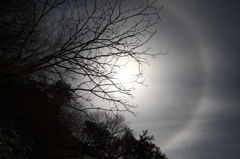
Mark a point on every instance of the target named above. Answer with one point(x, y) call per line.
point(192, 103)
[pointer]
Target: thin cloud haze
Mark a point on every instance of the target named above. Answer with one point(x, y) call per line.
point(192, 102)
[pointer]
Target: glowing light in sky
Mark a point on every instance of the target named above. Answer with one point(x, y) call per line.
point(124, 75)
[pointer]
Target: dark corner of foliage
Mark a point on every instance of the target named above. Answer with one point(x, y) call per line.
point(36, 124)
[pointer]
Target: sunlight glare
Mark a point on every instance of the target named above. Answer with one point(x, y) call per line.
point(124, 75)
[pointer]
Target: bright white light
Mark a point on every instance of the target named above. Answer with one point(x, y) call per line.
point(124, 75)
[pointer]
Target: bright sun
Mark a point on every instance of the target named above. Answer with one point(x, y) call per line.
point(124, 76)
point(127, 73)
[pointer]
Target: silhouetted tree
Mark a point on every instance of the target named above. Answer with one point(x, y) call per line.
point(114, 123)
point(101, 122)
point(31, 122)
point(97, 140)
point(145, 148)
point(142, 148)
point(128, 144)
point(83, 42)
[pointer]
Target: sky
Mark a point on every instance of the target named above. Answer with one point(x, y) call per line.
point(192, 102)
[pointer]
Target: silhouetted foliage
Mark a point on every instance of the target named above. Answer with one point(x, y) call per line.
point(128, 144)
point(55, 55)
point(146, 149)
point(28, 113)
point(142, 148)
point(34, 126)
point(98, 140)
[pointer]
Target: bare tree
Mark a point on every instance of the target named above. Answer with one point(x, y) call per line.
point(114, 123)
point(85, 43)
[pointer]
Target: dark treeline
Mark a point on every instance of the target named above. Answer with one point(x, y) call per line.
point(55, 56)
point(36, 124)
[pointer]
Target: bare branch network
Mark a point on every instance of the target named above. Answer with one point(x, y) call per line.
point(85, 43)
